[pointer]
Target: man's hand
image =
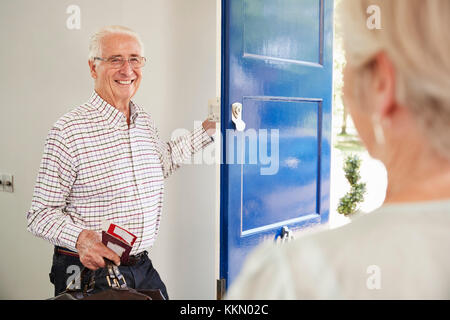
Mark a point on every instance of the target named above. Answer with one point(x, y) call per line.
point(92, 251)
point(209, 126)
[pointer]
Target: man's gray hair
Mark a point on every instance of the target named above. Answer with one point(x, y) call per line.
point(95, 48)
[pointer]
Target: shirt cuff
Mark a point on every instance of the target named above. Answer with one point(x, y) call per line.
point(70, 235)
point(201, 138)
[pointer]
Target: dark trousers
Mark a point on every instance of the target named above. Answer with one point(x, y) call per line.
point(142, 275)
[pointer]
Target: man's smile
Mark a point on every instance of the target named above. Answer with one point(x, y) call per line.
point(124, 82)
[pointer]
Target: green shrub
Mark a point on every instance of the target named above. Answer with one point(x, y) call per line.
point(349, 203)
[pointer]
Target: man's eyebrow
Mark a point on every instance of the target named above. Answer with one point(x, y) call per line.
point(120, 56)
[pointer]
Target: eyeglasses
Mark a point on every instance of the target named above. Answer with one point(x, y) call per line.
point(135, 62)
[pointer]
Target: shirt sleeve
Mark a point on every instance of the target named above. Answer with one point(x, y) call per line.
point(175, 152)
point(47, 217)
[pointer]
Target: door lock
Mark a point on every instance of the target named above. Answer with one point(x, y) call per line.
point(285, 235)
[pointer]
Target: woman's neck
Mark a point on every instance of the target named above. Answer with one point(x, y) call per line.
point(417, 175)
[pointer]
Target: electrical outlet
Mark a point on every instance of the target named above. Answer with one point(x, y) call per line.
point(8, 182)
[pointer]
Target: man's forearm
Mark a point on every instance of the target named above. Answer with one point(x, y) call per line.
point(179, 150)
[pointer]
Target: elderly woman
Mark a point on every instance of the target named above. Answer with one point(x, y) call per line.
point(397, 88)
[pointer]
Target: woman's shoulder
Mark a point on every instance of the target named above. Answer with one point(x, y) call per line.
point(402, 242)
point(387, 224)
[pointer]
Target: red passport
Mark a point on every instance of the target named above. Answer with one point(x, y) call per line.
point(118, 239)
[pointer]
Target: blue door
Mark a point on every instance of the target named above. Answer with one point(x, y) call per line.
point(277, 63)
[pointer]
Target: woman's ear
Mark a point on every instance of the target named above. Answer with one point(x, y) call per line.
point(92, 67)
point(383, 86)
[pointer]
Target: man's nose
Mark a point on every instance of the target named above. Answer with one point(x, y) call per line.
point(126, 68)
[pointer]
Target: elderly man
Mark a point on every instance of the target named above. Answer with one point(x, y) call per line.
point(104, 161)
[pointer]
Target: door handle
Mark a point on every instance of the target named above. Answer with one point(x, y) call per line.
point(285, 235)
point(236, 116)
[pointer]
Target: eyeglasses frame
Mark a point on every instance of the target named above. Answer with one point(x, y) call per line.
point(108, 60)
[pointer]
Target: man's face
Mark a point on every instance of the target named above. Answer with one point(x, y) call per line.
point(117, 85)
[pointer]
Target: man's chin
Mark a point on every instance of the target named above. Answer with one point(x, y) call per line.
point(124, 94)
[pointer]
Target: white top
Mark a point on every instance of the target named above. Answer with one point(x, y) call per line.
point(399, 251)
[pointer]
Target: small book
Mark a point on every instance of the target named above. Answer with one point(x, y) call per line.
point(118, 239)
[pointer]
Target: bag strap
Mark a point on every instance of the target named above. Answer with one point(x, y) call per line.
point(115, 278)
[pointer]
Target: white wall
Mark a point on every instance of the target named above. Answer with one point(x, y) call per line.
point(45, 74)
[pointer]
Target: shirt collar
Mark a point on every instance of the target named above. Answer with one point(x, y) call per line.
point(111, 114)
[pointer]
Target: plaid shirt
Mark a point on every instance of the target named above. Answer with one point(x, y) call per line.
point(95, 168)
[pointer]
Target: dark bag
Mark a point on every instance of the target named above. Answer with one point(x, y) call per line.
point(118, 288)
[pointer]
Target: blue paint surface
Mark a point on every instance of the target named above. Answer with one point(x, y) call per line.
point(276, 61)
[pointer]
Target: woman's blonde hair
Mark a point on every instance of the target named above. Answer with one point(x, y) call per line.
point(415, 34)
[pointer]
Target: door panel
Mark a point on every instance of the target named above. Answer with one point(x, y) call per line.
point(285, 190)
point(276, 62)
point(278, 30)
